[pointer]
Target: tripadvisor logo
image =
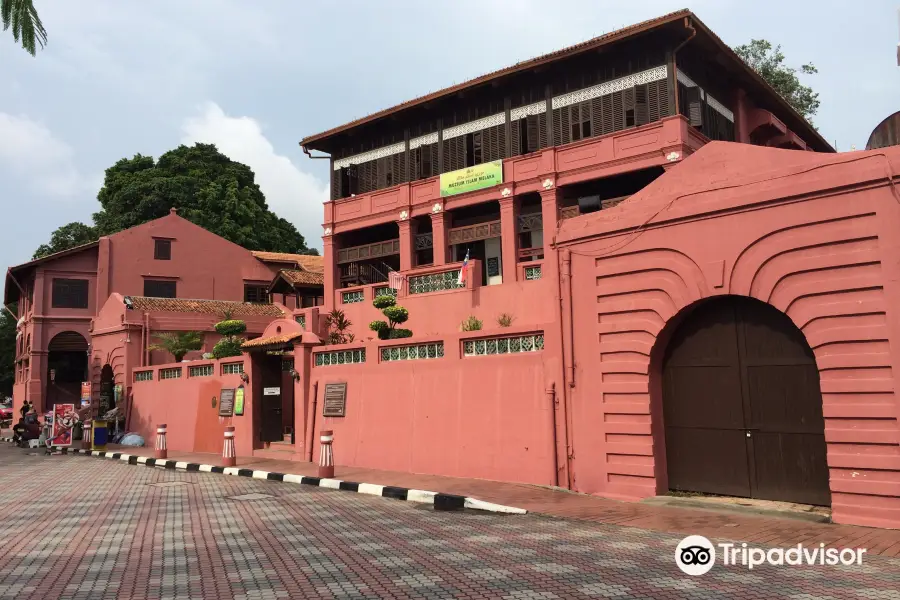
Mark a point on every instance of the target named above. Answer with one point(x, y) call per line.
point(696, 555)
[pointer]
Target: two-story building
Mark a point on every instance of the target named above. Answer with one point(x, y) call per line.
point(59, 296)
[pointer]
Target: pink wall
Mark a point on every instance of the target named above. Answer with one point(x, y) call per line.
point(186, 406)
point(198, 261)
point(478, 416)
point(827, 259)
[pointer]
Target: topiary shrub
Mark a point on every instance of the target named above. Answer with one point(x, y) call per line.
point(396, 315)
point(230, 327)
point(228, 346)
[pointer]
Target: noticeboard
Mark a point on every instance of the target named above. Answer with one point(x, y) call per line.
point(335, 403)
point(239, 401)
point(226, 402)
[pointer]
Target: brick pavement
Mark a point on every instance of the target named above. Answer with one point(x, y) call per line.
point(772, 530)
point(83, 528)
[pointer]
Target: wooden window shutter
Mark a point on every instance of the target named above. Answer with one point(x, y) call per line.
point(336, 184)
point(533, 132)
point(558, 134)
point(515, 138)
point(694, 106)
point(543, 135)
point(653, 113)
point(618, 111)
point(641, 107)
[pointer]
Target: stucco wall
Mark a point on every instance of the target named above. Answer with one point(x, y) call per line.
point(826, 258)
point(480, 416)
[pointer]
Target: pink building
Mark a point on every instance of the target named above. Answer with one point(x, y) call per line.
point(59, 295)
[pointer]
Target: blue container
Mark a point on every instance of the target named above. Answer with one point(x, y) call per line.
point(101, 435)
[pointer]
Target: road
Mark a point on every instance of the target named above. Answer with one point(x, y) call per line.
point(82, 527)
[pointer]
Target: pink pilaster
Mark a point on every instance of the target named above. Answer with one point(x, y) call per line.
point(439, 237)
point(329, 255)
point(508, 238)
point(407, 244)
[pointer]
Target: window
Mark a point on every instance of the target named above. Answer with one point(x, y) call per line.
point(255, 293)
point(143, 375)
point(70, 293)
point(162, 249)
point(349, 181)
point(233, 368)
point(170, 373)
point(474, 149)
point(155, 288)
point(201, 371)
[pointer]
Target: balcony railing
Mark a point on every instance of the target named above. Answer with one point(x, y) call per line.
point(472, 233)
point(363, 274)
point(367, 251)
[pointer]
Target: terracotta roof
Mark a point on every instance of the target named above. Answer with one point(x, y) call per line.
point(275, 340)
point(302, 277)
point(60, 254)
point(809, 133)
point(316, 264)
point(206, 307)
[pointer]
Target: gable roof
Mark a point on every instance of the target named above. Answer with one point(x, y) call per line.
point(307, 262)
point(301, 277)
point(795, 121)
point(206, 307)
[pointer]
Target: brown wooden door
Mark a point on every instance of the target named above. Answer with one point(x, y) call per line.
point(742, 406)
point(271, 400)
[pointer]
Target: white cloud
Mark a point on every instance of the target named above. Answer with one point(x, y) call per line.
point(43, 162)
point(291, 193)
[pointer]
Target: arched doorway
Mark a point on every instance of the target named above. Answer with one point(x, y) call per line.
point(107, 385)
point(742, 406)
point(67, 363)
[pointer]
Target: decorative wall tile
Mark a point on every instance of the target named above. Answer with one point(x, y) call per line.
point(340, 357)
point(422, 140)
point(532, 273)
point(174, 373)
point(472, 126)
point(201, 371)
point(504, 345)
point(233, 368)
point(526, 111)
point(434, 282)
point(143, 375)
point(370, 155)
point(385, 291)
point(301, 319)
point(608, 87)
point(413, 352)
point(352, 297)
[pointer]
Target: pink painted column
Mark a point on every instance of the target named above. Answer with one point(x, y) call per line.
point(508, 242)
point(329, 256)
point(407, 244)
point(439, 237)
point(740, 116)
point(550, 219)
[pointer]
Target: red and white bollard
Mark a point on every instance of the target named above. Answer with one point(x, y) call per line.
point(161, 450)
point(229, 458)
point(326, 456)
point(86, 436)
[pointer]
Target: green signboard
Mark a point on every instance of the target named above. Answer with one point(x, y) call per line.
point(472, 178)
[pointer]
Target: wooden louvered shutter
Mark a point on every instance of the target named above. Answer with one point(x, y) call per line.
point(694, 106)
point(336, 184)
point(618, 111)
point(653, 92)
point(641, 108)
point(574, 122)
point(533, 133)
point(543, 134)
point(515, 142)
point(628, 107)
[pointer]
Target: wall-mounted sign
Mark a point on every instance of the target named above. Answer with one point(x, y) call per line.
point(239, 401)
point(85, 394)
point(335, 403)
point(226, 402)
point(272, 391)
point(493, 266)
point(470, 179)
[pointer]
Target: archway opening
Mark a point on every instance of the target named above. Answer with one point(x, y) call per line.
point(67, 365)
point(742, 407)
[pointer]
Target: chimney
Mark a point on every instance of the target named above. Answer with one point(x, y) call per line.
point(173, 211)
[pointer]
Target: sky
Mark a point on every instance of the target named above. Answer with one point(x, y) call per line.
point(121, 78)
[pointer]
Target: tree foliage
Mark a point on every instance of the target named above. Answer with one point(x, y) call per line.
point(208, 189)
point(228, 346)
point(178, 343)
point(67, 236)
point(7, 351)
point(22, 18)
point(768, 61)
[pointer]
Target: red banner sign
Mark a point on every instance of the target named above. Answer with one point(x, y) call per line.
point(64, 418)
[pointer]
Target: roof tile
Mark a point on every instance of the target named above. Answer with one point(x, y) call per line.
point(307, 262)
point(273, 340)
point(207, 307)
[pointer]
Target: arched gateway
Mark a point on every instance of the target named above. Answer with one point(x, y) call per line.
point(742, 406)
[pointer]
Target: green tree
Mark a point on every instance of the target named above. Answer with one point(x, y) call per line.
point(67, 236)
point(208, 188)
point(178, 343)
point(22, 17)
point(7, 351)
point(768, 61)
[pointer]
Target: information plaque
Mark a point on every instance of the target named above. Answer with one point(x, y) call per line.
point(226, 402)
point(335, 404)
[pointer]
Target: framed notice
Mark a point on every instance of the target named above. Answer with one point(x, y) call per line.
point(226, 402)
point(239, 401)
point(493, 266)
point(335, 403)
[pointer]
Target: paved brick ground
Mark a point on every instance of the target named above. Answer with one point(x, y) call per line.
point(81, 527)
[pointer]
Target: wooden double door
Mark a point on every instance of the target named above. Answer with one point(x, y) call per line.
point(742, 406)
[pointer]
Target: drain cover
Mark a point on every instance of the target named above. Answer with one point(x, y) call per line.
point(166, 484)
point(253, 496)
